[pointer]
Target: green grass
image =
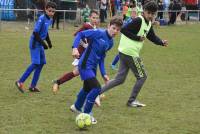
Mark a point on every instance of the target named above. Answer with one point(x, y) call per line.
point(171, 91)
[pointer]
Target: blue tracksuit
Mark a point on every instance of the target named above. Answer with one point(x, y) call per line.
point(41, 27)
point(37, 52)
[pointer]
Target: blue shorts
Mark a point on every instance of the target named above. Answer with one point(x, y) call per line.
point(37, 54)
point(87, 73)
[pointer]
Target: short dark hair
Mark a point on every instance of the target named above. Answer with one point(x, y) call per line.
point(51, 4)
point(94, 11)
point(150, 6)
point(116, 21)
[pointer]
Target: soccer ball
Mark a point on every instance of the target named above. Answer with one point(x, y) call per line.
point(83, 120)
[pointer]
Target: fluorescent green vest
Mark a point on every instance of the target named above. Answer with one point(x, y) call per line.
point(131, 47)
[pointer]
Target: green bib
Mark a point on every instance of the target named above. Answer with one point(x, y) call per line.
point(131, 47)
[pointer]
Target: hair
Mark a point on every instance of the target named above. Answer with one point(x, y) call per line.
point(51, 4)
point(150, 6)
point(116, 21)
point(94, 11)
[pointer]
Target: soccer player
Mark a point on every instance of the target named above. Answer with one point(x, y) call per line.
point(37, 46)
point(101, 42)
point(94, 20)
point(131, 42)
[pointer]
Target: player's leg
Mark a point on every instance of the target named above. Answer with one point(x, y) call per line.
point(137, 68)
point(23, 78)
point(120, 77)
point(35, 79)
point(94, 90)
point(66, 77)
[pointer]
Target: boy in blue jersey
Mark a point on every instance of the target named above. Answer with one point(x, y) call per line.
point(100, 42)
point(37, 46)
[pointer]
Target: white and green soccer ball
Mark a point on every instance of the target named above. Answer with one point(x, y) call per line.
point(83, 120)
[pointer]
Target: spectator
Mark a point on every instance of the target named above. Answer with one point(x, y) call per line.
point(86, 13)
point(57, 14)
point(175, 8)
point(103, 6)
point(160, 9)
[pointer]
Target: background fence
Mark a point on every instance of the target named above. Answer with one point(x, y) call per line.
point(25, 18)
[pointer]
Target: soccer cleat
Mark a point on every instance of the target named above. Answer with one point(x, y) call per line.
point(135, 104)
point(94, 121)
point(55, 86)
point(114, 67)
point(34, 89)
point(20, 86)
point(74, 109)
point(97, 101)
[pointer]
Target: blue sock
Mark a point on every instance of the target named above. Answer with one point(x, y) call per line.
point(80, 99)
point(36, 75)
point(116, 59)
point(91, 99)
point(28, 71)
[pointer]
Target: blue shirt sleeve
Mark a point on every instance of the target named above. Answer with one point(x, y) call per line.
point(102, 66)
point(38, 24)
point(89, 34)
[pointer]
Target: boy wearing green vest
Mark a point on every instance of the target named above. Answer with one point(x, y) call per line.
point(131, 42)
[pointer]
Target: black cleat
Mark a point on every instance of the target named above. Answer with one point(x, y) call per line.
point(34, 89)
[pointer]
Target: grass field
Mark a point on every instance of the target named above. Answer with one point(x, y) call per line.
point(171, 92)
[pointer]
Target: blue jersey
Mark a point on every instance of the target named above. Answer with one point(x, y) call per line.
point(41, 27)
point(100, 42)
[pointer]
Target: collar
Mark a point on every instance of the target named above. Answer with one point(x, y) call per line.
point(145, 20)
point(108, 35)
point(47, 16)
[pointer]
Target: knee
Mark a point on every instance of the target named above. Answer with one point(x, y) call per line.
point(143, 78)
point(120, 80)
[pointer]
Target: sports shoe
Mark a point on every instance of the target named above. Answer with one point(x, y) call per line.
point(20, 86)
point(114, 67)
point(74, 109)
point(94, 121)
point(34, 89)
point(55, 86)
point(97, 101)
point(135, 104)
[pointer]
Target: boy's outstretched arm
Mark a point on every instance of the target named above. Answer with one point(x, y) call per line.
point(89, 34)
point(155, 39)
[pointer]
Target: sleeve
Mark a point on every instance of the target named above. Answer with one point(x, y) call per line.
point(130, 30)
point(152, 37)
point(36, 31)
point(48, 41)
point(89, 34)
point(38, 24)
point(38, 38)
point(84, 27)
point(102, 66)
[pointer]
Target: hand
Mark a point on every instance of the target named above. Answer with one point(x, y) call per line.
point(75, 53)
point(45, 46)
point(50, 45)
point(106, 78)
point(165, 43)
point(142, 38)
